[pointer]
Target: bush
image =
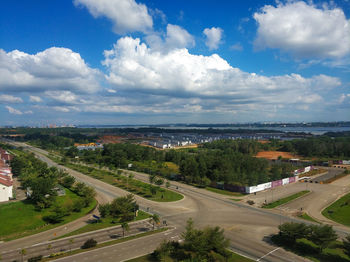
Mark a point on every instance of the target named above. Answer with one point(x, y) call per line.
point(250, 202)
point(68, 181)
point(78, 205)
point(89, 243)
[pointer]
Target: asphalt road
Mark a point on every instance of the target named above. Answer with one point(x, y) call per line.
point(247, 227)
point(75, 242)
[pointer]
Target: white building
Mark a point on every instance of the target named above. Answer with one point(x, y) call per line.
point(6, 187)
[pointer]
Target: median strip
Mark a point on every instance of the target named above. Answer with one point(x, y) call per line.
point(286, 199)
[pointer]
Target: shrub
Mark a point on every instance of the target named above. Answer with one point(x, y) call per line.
point(89, 243)
point(78, 205)
point(250, 202)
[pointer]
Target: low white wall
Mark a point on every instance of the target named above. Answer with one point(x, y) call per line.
point(5, 193)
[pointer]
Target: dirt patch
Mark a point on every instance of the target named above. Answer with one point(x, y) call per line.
point(275, 155)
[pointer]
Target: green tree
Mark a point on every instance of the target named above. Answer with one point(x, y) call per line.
point(159, 181)
point(151, 178)
point(290, 232)
point(23, 252)
point(68, 181)
point(124, 207)
point(104, 209)
point(125, 226)
point(322, 235)
point(153, 190)
point(155, 220)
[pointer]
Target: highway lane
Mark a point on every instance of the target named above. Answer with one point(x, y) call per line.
point(75, 242)
point(246, 227)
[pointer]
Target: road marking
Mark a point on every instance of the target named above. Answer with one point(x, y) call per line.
point(268, 254)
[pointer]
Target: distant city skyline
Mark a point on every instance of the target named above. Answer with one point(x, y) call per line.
point(127, 62)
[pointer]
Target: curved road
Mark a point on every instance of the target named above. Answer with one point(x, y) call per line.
point(247, 227)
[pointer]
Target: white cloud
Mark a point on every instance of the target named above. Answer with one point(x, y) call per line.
point(126, 15)
point(53, 69)
point(170, 82)
point(64, 97)
point(35, 99)
point(14, 111)
point(176, 37)
point(213, 36)
point(304, 30)
point(10, 99)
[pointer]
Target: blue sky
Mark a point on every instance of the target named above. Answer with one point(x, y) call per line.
point(149, 62)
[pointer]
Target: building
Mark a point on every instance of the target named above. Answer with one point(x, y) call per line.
point(6, 182)
point(6, 187)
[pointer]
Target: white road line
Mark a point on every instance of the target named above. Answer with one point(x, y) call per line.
point(268, 254)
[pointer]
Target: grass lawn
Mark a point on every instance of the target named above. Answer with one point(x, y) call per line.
point(286, 199)
point(223, 192)
point(132, 185)
point(307, 217)
point(22, 219)
point(234, 258)
point(105, 222)
point(339, 211)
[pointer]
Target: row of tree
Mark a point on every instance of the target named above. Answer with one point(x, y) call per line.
point(323, 146)
point(322, 235)
point(231, 161)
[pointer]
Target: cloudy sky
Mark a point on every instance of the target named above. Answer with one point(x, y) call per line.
point(183, 61)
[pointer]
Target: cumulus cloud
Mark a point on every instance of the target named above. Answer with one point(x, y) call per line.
point(213, 37)
point(126, 15)
point(53, 69)
point(303, 30)
point(10, 99)
point(176, 37)
point(180, 81)
point(35, 99)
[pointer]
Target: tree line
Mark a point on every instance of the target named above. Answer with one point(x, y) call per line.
point(230, 161)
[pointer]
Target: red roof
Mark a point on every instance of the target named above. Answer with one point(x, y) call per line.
point(5, 180)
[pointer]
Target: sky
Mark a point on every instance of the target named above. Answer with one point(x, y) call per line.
point(131, 62)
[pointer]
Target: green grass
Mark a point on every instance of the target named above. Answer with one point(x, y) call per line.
point(223, 192)
point(132, 185)
point(339, 211)
point(105, 222)
point(307, 217)
point(22, 218)
point(234, 258)
point(105, 244)
point(236, 199)
point(333, 253)
point(286, 199)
